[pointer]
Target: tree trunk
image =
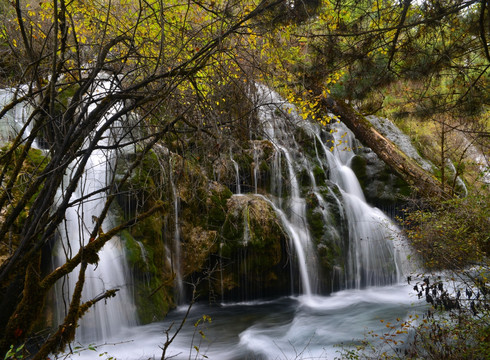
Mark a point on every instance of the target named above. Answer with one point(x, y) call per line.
point(424, 184)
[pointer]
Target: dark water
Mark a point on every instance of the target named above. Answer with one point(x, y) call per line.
point(286, 328)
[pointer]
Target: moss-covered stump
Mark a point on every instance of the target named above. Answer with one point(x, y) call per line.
point(252, 251)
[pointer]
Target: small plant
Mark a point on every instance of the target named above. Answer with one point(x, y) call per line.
point(15, 353)
point(198, 325)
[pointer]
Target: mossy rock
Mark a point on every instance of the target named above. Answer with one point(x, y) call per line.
point(381, 186)
point(320, 175)
point(262, 152)
point(325, 224)
point(253, 248)
point(153, 286)
point(358, 166)
point(244, 160)
point(305, 141)
point(143, 187)
point(198, 244)
point(33, 164)
point(216, 204)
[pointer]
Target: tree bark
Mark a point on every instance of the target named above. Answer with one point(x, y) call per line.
point(424, 183)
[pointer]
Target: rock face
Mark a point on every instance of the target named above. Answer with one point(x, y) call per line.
point(232, 246)
point(253, 250)
point(381, 187)
point(219, 228)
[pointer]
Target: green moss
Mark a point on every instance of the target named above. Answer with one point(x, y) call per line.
point(134, 253)
point(253, 236)
point(33, 164)
point(145, 253)
point(216, 211)
point(232, 233)
point(304, 178)
point(358, 165)
point(329, 255)
point(324, 221)
point(244, 161)
point(264, 167)
point(403, 188)
point(305, 141)
point(319, 175)
point(143, 188)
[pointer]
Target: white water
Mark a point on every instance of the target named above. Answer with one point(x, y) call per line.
point(288, 328)
point(311, 325)
point(17, 119)
point(292, 214)
point(176, 256)
point(372, 258)
point(237, 174)
point(102, 320)
point(256, 168)
point(106, 318)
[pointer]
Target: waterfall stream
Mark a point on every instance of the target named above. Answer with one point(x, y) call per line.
point(176, 258)
point(372, 259)
point(104, 319)
point(17, 120)
point(307, 324)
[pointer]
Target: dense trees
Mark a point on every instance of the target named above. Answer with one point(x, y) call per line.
point(175, 68)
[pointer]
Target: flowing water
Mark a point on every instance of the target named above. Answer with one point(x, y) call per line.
point(315, 324)
point(111, 272)
point(17, 120)
point(364, 288)
point(313, 327)
point(176, 258)
point(372, 257)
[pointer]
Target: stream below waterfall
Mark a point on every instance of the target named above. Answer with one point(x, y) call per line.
point(304, 327)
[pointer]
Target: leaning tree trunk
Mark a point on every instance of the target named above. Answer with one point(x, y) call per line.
point(424, 183)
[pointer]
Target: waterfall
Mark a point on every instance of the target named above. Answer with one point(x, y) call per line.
point(292, 214)
point(176, 258)
point(371, 257)
point(256, 168)
point(237, 174)
point(104, 319)
point(16, 120)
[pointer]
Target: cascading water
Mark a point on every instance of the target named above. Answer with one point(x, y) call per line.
point(293, 213)
point(176, 258)
point(310, 325)
point(16, 120)
point(237, 174)
point(371, 258)
point(111, 272)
